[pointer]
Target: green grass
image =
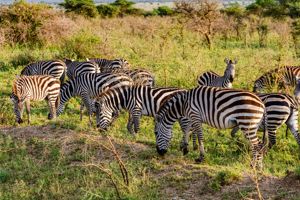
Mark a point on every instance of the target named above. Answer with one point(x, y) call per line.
point(50, 160)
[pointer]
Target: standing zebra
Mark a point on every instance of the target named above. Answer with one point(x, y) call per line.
point(40, 87)
point(280, 109)
point(138, 100)
point(139, 76)
point(89, 86)
point(55, 68)
point(287, 75)
point(75, 68)
point(108, 65)
point(211, 78)
point(217, 107)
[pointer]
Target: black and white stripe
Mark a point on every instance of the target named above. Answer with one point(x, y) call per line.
point(36, 88)
point(211, 78)
point(139, 76)
point(75, 68)
point(108, 65)
point(55, 68)
point(138, 100)
point(89, 86)
point(282, 77)
point(280, 109)
point(217, 107)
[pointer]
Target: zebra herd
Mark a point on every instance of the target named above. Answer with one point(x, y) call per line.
point(108, 86)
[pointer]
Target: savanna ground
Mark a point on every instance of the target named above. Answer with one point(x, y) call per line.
point(68, 159)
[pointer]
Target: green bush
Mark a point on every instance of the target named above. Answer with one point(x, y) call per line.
point(222, 178)
point(86, 8)
point(81, 45)
point(163, 11)
point(108, 10)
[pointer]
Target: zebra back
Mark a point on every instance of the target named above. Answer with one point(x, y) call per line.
point(139, 76)
point(75, 68)
point(286, 75)
point(55, 68)
point(108, 65)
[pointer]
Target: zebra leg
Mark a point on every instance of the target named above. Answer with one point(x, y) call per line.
point(185, 127)
point(136, 116)
point(27, 102)
point(256, 147)
point(272, 137)
point(234, 131)
point(197, 129)
point(292, 124)
point(88, 104)
point(52, 106)
point(129, 125)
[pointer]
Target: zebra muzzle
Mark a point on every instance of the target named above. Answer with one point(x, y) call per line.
point(161, 152)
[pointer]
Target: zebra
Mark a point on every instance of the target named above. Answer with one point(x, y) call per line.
point(217, 107)
point(55, 68)
point(137, 99)
point(108, 65)
point(38, 87)
point(211, 78)
point(75, 68)
point(89, 86)
point(286, 75)
point(139, 76)
point(280, 109)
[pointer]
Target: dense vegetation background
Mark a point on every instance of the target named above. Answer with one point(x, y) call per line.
point(67, 159)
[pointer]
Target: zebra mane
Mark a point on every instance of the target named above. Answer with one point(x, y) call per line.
point(15, 88)
point(167, 104)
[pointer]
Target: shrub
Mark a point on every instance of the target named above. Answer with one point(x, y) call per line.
point(86, 8)
point(81, 45)
point(223, 177)
point(108, 10)
point(163, 11)
point(22, 22)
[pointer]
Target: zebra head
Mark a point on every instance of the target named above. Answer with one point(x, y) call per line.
point(121, 62)
point(104, 114)
point(18, 107)
point(230, 69)
point(162, 135)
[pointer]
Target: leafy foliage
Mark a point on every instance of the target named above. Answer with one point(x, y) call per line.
point(86, 8)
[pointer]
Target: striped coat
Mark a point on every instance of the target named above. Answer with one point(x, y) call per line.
point(36, 88)
point(217, 107)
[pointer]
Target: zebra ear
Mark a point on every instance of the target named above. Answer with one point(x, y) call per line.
point(235, 61)
point(226, 60)
point(158, 118)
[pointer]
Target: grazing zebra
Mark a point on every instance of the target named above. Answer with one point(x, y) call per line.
point(108, 65)
point(89, 86)
point(39, 87)
point(75, 68)
point(287, 75)
point(139, 76)
point(213, 79)
point(217, 107)
point(280, 109)
point(55, 68)
point(138, 100)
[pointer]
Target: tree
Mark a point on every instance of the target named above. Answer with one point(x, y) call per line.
point(86, 8)
point(202, 16)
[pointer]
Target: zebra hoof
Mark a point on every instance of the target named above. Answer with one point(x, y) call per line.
point(195, 147)
point(49, 116)
point(185, 150)
point(20, 121)
point(199, 160)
